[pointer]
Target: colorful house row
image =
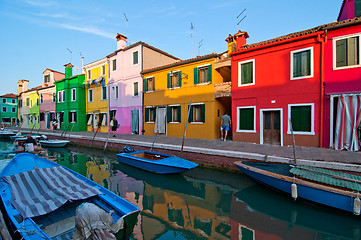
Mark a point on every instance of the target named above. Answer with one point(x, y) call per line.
point(8, 107)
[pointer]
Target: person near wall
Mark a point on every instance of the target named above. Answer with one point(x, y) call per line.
point(114, 125)
point(225, 124)
point(55, 124)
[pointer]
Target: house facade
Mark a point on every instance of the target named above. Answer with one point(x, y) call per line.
point(126, 83)
point(342, 85)
point(349, 10)
point(47, 98)
point(96, 88)
point(70, 101)
point(276, 88)
point(182, 95)
point(8, 107)
point(34, 109)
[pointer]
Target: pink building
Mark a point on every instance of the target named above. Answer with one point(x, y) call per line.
point(47, 97)
point(126, 83)
point(349, 10)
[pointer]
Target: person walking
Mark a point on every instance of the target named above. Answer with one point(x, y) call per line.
point(225, 124)
point(114, 125)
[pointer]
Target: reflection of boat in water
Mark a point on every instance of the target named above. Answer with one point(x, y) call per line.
point(266, 211)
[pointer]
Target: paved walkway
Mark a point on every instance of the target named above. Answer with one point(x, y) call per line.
point(228, 148)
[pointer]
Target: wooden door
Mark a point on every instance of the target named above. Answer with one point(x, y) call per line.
point(271, 127)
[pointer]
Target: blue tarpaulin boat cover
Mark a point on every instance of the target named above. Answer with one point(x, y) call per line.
point(43, 190)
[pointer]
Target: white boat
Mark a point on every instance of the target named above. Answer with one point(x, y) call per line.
point(6, 133)
point(53, 143)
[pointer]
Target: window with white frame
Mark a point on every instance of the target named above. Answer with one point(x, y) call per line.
point(302, 118)
point(90, 95)
point(59, 97)
point(246, 73)
point(174, 113)
point(89, 119)
point(302, 63)
point(346, 51)
point(103, 69)
point(135, 88)
point(149, 115)
point(246, 119)
point(72, 116)
point(197, 113)
point(149, 84)
point(63, 95)
point(73, 94)
point(104, 93)
point(114, 63)
point(89, 74)
point(41, 98)
point(202, 74)
point(54, 97)
point(13, 109)
point(135, 58)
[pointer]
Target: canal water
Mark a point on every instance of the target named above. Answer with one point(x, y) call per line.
point(205, 203)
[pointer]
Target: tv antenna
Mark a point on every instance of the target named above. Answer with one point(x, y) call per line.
point(192, 27)
point(239, 15)
point(82, 62)
point(126, 19)
point(200, 44)
point(70, 54)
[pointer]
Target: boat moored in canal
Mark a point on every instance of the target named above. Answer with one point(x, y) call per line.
point(55, 143)
point(51, 208)
point(155, 162)
point(331, 188)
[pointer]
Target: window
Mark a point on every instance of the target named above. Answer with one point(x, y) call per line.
point(135, 57)
point(135, 89)
point(114, 64)
point(89, 119)
point(37, 102)
point(302, 63)
point(347, 52)
point(42, 117)
point(174, 79)
point(197, 113)
point(28, 102)
point(246, 73)
point(46, 78)
point(90, 95)
point(20, 103)
point(246, 119)
point(13, 101)
point(13, 109)
point(73, 94)
point(203, 74)
point(72, 117)
point(4, 100)
point(31, 103)
point(116, 92)
point(4, 109)
point(149, 84)
point(89, 74)
point(149, 114)
point(174, 114)
point(302, 118)
point(54, 97)
point(104, 93)
point(103, 119)
point(41, 98)
point(103, 70)
point(63, 94)
point(60, 99)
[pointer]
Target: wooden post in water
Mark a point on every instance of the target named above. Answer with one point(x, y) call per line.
point(106, 142)
point(70, 131)
point(91, 144)
point(185, 129)
point(154, 140)
point(293, 142)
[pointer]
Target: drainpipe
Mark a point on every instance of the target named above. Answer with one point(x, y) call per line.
point(322, 39)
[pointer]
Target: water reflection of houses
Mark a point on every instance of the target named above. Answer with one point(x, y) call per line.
point(259, 213)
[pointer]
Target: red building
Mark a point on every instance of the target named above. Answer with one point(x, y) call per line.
point(342, 87)
point(277, 82)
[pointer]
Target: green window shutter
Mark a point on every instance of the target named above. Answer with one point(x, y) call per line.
point(169, 114)
point(154, 113)
point(179, 114)
point(352, 51)
point(169, 84)
point(357, 8)
point(145, 85)
point(341, 53)
point(203, 113)
point(302, 63)
point(247, 73)
point(146, 115)
point(301, 118)
point(246, 119)
point(209, 73)
point(179, 78)
point(190, 119)
point(153, 84)
point(195, 75)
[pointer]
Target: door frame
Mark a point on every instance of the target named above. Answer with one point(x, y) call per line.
point(261, 123)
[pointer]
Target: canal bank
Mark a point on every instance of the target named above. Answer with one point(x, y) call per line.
point(213, 153)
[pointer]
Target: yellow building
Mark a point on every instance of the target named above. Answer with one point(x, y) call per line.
point(169, 90)
point(96, 85)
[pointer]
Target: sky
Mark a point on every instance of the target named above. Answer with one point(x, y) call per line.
point(40, 34)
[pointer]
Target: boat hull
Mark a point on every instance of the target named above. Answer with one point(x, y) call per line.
point(166, 164)
point(54, 143)
point(314, 192)
point(107, 200)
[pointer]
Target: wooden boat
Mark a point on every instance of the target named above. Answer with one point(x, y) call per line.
point(53, 143)
point(41, 206)
point(6, 133)
point(20, 146)
point(331, 188)
point(156, 162)
point(24, 136)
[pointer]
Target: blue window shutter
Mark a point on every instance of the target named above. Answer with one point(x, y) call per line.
point(195, 75)
point(209, 73)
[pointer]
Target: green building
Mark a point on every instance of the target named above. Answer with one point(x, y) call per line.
point(70, 102)
point(8, 107)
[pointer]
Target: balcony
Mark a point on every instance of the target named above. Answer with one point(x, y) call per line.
point(222, 90)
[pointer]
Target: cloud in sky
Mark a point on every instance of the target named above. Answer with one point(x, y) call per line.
point(40, 3)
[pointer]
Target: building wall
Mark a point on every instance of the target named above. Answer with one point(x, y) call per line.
point(9, 105)
point(34, 110)
point(274, 90)
point(347, 10)
point(47, 106)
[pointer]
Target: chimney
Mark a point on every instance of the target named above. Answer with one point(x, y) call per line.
point(22, 86)
point(121, 41)
point(68, 70)
point(240, 38)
